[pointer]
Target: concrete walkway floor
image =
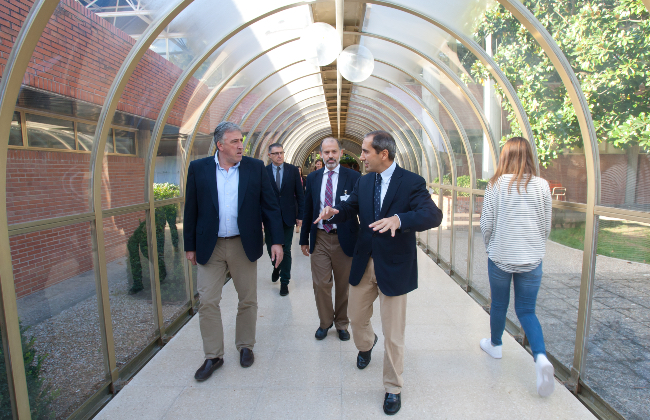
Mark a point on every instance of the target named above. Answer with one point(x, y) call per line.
point(446, 375)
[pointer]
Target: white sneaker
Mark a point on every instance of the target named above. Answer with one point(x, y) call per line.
point(491, 349)
point(545, 373)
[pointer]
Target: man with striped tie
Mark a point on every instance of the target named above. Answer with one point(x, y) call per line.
point(392, 205)
point(330, 245)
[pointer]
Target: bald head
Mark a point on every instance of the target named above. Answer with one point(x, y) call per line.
point(330, 151)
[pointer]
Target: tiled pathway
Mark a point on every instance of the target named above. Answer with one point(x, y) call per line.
point(295, 376)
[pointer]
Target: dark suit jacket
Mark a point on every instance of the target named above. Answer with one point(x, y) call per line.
point(395, 259)
point(347, 231)
point(257, 203)
point(290, 195)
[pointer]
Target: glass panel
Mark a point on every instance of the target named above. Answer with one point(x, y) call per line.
point(461, 237)
point(432, 234)
point(16, 133)
point(86, 136)
point(173, 287)
point(619, 337)
point(5, 402)
point(129, 280)
point(110, 142)
point(445, 226)
point(123, 176)
point(57, 306)
point(557, 301)
point(125, 142)
point(49, 132)
point(480, 281)
point(625, 177)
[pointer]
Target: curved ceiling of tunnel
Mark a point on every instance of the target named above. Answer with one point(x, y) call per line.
point(251, 66)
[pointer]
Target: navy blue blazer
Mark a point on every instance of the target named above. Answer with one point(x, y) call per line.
point(347, 231)
point(256, 204)
point(290, 195)
point(395, 258)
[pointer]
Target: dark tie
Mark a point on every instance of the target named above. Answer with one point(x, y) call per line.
point(277, 178)
point(377, 196)
point(328, 198)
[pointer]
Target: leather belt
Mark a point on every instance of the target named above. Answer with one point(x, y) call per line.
point(230, 237)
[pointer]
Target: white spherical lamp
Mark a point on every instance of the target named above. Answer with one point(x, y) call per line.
point(320, 43)
point(356, 63)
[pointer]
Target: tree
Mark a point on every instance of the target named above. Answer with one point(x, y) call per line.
point(608, 44)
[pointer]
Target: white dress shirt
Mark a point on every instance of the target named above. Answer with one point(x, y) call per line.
point(323, 188)
point(228, 193)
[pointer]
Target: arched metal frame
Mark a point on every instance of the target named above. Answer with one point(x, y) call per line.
point(354, 123)
point(310, 144)
point(16, 66)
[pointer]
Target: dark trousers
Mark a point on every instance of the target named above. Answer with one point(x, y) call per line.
point(285, 265)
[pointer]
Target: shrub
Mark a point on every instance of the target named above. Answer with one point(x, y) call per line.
point(462, 181)
point(41, 395)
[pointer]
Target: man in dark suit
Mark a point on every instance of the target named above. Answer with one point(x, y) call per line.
point(330, 245)
point(287, 186)
point(392, 204)
point(228, 196)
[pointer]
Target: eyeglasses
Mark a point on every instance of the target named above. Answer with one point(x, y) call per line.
point(277, 153)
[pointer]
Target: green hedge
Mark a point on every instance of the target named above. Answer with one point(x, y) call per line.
point(41, 395)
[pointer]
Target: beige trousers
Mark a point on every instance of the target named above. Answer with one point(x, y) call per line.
point(329, 257)
point(228, 255)
point(393, 322)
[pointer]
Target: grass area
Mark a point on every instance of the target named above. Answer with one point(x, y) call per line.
point(626, 240)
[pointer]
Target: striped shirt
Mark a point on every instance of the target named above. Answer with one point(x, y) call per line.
point(516, 225)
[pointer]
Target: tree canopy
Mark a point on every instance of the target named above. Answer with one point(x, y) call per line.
point(608, 44)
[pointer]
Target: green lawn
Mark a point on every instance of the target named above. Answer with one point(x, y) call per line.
point(618, 239)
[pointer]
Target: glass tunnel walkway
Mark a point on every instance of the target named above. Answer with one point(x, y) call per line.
point(295, 376)
point(104, 103)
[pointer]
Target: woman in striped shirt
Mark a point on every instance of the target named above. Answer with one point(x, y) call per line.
point(516, 222)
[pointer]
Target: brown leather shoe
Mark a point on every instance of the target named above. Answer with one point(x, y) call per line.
point(246, 357)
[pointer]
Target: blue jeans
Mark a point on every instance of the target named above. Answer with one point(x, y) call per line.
point(526, 288)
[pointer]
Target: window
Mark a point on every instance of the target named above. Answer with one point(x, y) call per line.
point(124, 142)
point(16, 133)
point(49, 132)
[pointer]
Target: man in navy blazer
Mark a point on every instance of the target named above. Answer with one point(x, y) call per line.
point(330, 246)
point(287, 186)
point(392, 205)
point(227, 197)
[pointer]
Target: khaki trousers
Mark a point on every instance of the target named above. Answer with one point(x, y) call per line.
point(329, 257)
point(228, 255)
point(393, 322)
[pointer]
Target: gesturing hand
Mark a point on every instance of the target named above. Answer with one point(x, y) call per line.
point(384, 225)
point(326, 214)
point(277, 254)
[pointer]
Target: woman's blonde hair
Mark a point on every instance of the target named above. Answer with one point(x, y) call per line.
point(517, 159)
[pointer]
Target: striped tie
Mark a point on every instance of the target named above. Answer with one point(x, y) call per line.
point(328, 198)
point(377, 196)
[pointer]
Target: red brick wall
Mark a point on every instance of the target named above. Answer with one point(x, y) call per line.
point(43, 185)
point(47, 257)
point(79, 54)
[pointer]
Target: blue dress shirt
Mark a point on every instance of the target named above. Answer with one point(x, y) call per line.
point(228, 193)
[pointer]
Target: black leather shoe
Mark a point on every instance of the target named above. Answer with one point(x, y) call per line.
point(322, 332)
point(276, 275)
point(392, 403)
point(284, 289)
point(343, 335)
point(363, 359)
point(246, 357)
point(206, 369)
